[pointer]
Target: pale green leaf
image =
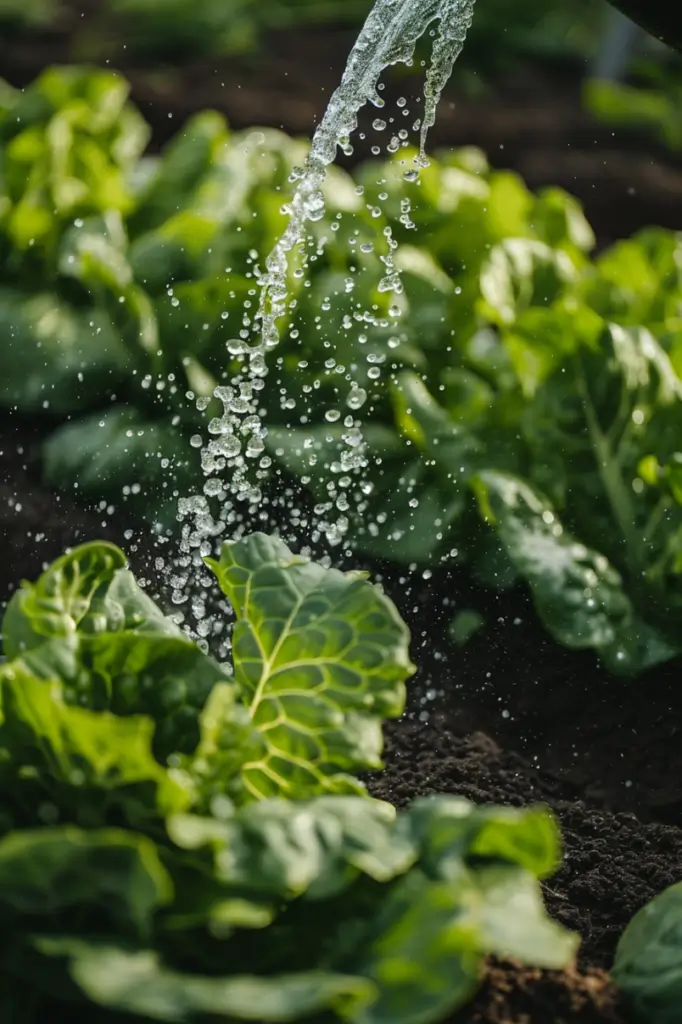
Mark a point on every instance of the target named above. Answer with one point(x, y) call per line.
point(89, 591)
point(138, 983)
point(523, 272)
point(321, 657)
point(82, 749)
point(59, 603)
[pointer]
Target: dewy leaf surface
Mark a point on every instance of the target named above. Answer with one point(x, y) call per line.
point(321, 656)
point(577, 591)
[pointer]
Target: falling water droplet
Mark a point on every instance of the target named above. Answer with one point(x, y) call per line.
point(356, 398)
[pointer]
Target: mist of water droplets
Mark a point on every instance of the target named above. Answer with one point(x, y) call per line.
point(234, 458)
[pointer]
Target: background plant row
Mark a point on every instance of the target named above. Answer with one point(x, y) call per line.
point(523, 410)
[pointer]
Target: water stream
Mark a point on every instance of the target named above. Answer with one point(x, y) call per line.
point(237, 441)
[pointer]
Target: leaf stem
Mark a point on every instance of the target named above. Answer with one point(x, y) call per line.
point(609, 471)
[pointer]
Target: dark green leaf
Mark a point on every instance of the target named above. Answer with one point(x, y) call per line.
point(59, 869)
point(53, 356)
point(122, 455)
point(577, 592)
point(648, 964)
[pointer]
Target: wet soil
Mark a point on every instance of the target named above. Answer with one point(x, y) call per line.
point(511, 719)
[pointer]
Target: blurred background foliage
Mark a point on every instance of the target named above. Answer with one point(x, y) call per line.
point(176, 29)
point(638, 83)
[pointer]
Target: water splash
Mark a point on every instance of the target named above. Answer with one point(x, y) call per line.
point(389, 37)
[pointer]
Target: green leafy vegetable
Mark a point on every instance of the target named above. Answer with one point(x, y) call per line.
point(181, 841)
point(577, 592)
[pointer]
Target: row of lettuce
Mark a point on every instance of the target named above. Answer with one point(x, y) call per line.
point(524, 398)
point(182, 839)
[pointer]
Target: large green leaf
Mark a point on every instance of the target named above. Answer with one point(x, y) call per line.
point(451, 829)
point(88, 590)
point(405, 508)
point(577, 592)
point(112, 873)
point(520, 273)
point(648, 964)
point(183, 164)
point(507, 904)
point(124, 456)
point(430, 937)
point(138, 983)
point(316, 847)
point(60, 602)
point(460, 882)
point(128, 673)
point(427, 425)
point(83, 751)
point(424, 953)
point(321, 656)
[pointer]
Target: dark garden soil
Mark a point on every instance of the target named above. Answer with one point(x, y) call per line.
point(512, 718)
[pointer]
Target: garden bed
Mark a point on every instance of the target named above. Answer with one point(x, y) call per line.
point(512, 719)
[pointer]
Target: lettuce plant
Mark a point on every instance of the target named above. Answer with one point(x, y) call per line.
point(182, 839)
